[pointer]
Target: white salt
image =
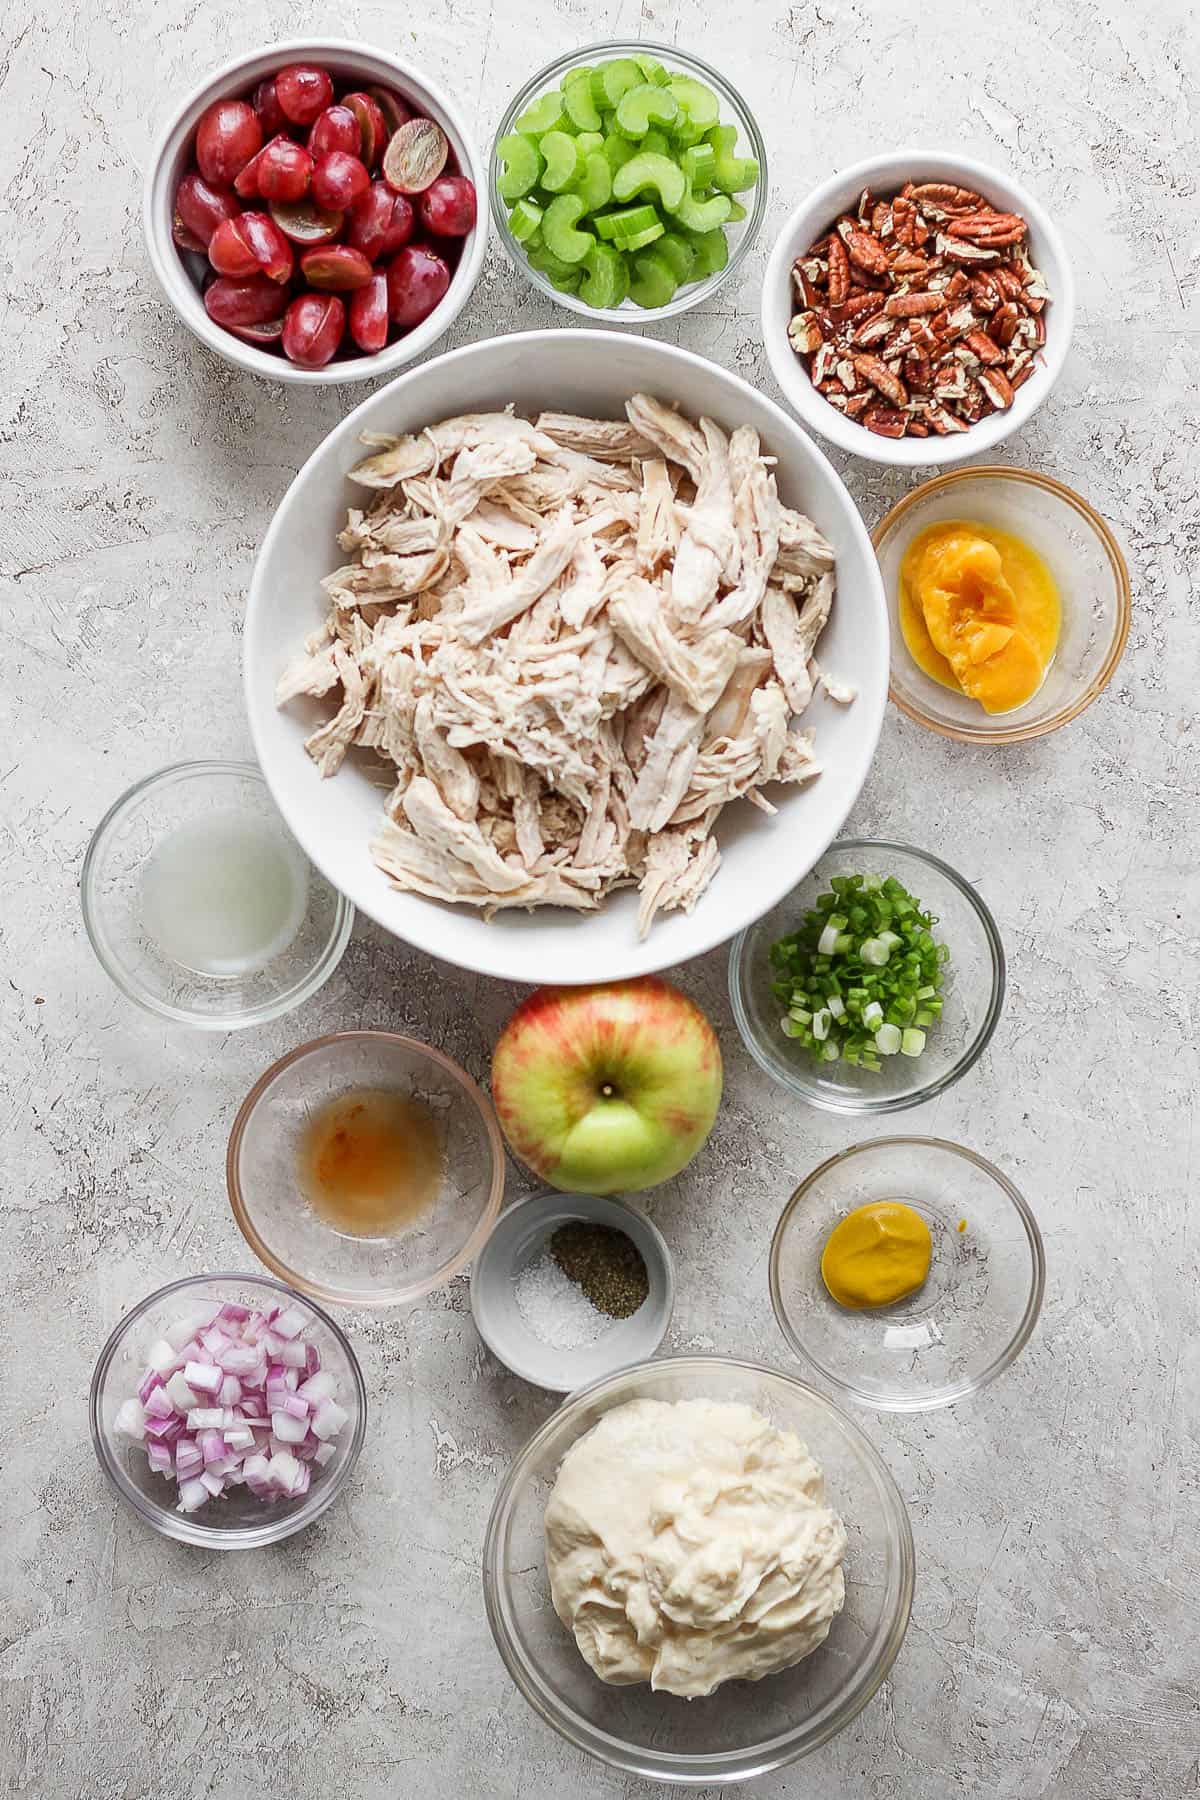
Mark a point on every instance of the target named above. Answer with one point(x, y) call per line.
point(555, 1308)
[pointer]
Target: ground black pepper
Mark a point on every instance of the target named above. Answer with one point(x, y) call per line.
point(606, 1264)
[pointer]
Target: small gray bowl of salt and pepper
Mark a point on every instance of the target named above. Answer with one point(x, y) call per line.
point(569, 1287)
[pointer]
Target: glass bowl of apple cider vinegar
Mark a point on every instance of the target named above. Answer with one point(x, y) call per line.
point(365, 1169)
point(200, 905)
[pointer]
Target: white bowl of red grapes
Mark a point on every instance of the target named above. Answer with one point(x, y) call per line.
point(311, 213)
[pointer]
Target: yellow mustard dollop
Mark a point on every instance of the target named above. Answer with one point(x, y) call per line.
point(876, 1254)
point(979, 611)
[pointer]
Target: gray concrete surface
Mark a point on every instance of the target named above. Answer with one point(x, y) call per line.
point(1055, 1645)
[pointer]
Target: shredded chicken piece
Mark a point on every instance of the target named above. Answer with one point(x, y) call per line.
point(574, 641)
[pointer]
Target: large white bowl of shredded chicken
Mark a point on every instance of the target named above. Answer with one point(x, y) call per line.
point(566, 656)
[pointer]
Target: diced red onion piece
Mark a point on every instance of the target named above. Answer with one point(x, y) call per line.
point(182, 1396)
point(212, 1444)
point(312, 1359)
point(130, 1420)
point(289, 1324)
point(322, 1386)
point(329, 1419)
point(188, 1458)
point(296, 1408)
point(213, 1482)
point(287, 1429)
point(206, 1418)
point(293, 1356)
point(192, 1496)
point(162, 1358)
point(239, 1437)
point(238, 1359)
point(159, 1458)
point(185, 1328)
point(325, 1454)
point(233, 1315)
point(204, 1377)
point(158, 1404)
point(165, 1431)
point(230, 1391)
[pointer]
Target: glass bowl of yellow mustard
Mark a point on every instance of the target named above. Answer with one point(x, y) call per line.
point(1009, 604)
point(971, 985)
point(907, 1272)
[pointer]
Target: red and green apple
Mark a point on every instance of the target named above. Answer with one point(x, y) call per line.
point(610, 1088)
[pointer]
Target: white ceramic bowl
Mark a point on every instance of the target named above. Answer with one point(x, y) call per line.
point(169, 159)
point(885, 174)
point(334, 821)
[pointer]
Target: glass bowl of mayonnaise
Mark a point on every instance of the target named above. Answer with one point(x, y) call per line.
point(638, 1462)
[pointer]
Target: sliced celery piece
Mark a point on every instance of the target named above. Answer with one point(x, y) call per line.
point(659, 173)
point(595, 189)
point(578, 104)
point(699, 165)
point(653, 283)
point(695, 99)
point(522, 165)
point(590, 141)
point(644, 106)
point(525, 220)
point(564, 163)
point(612, 79)
point(558, 229)
point(652, 70)
point(626, 223)
point(675, 250)
point(637, 240)
point(712, 252)
point(657, 143)
point(606, 276)
point(618, 151)
point(737, 213)
point(732, 174)
point(697, 214)
point(543, 114)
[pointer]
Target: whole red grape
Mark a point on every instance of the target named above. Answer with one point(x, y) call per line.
point(303, 91)
point(336, 128)
point(249, 302)
point(447, 207)
point(284, 170)
point(338, 180)
point(374, 228)
point(312, 329)
point(417, 280)
point(228, 135)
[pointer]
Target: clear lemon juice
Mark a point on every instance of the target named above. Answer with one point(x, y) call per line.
point(223, 895)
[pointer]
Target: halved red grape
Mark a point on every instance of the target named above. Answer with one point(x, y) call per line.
point(312, 329)
point(335, 268)
point(185, 239)
point(369, 315)
point(395, 113)
point(306, 223)
point(303, 91)
point(417, 280)
point(228, 135)
point(249, 302)
point(415, 156)
point(229, 253)
point(372, 126)
point(266, 335)
point(284, 170)
point(334, 129)
point(267, 245)
point(266, 104)
point(202, 206)
point(339, 180)
point(447, 207)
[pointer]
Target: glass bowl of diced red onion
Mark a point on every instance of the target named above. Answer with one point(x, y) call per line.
point(228, 1411)
point(310, 212)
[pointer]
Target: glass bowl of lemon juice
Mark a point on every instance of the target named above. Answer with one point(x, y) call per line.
point(200, 905)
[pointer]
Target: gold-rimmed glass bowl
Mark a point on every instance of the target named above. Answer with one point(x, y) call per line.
point(1086, 562)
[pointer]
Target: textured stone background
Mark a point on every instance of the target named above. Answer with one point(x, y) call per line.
point(1055, 1646)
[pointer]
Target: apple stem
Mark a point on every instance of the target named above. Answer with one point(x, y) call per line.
point(607, 1089)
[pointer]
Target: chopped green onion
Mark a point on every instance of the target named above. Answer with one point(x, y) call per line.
point(861, 976)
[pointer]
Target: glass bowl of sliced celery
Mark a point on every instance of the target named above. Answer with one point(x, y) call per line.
point(872, 986)
point(628, 181)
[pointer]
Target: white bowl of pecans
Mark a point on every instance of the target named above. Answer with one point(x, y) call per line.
point(918, 308)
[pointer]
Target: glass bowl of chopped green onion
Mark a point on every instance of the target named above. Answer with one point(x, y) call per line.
point(628, 181)
point(874, 985)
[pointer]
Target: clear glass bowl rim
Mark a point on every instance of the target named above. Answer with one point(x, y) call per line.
point(546, 77)
point(888, 1103)
point(318, 1290)
point(302, 989)
point(1020, 734)
point(727, 1766)
point(186, 1528)
point(1029, 1318)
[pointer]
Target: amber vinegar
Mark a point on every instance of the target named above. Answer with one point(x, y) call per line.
point(370, 1162)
